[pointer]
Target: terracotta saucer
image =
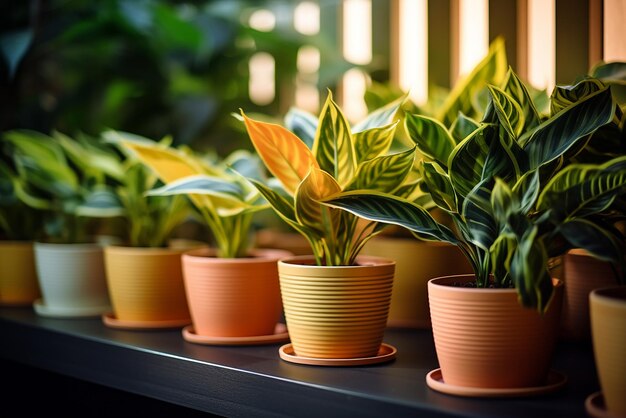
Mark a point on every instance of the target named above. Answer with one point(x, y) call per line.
point(68, 311)
point(555, 381)
point(385, 353)
point(110, 320)
point(595, 406)
point(280, 335)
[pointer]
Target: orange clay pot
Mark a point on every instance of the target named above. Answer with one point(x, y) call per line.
point(608, 327)
point(18, 277)
point(416, 263)
point(484, 338)
point(336, 312)
point(146, 284)
point(233, 297)
point(581, 273)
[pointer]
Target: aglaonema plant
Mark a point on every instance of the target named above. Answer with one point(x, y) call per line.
point(225, 201)
point(511, 188)
point(331, 156)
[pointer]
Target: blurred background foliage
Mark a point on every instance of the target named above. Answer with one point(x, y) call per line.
point(155, 68)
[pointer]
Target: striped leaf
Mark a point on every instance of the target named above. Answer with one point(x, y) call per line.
point(373, 142)
point(490, 70)
point(380, 117)
point(501, 256)
point(510, 113)
point(333, 147)
point(566, 131)
point(389, 209)
point(503, 201)
point(101, 203)
point(385, 173)
point(462, 127)
point(440, 187)
point(564, 96)
point(514, 87)
point(588, 235)
point(584, 189)
point(527, 189)
point(284, 154)
point(431, 137)
point(303, 124)
point(315, 216)
point(478, 214)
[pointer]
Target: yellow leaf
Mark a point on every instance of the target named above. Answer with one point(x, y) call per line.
point(284, 154)
point(317, 185)
point(167, 164)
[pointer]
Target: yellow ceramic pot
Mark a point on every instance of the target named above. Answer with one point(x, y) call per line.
point(337, 312)
point(18, 277)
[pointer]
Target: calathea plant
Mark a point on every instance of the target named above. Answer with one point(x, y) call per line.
point(330, 157)
point(503, 183)
point(67, 179)
point(224, 200)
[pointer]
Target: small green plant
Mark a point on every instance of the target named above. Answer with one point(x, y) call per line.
point(329, 157)
point(510, 186)
point(225, 201)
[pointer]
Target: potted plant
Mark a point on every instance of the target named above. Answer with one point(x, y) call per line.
point(19, 226)
point(513, 207)
point(336, 302)
point(66, 180)
point(232, 290)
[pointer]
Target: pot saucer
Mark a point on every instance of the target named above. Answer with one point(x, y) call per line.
point(385, 353)
point(68, 311)
point(280, 335)
point(595, 406)
point(555, 381)
point(110, 320)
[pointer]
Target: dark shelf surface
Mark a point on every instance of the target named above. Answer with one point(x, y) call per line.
point(254, 381)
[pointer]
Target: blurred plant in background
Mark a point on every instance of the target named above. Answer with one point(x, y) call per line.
point(151, 67)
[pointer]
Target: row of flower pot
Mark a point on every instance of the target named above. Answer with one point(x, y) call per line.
point(334, 315)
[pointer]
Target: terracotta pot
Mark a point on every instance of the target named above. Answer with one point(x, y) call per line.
point(484, 338)
point(72, 280)
point(581, 274)
point(608, 326)
point(18, 277)
point(416, 263)
point(146, 284)
point(233, 297)
point(336, 311)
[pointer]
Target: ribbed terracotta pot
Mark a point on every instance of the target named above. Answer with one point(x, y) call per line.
point(146, 284)
point(336, 312)
point(608, 327)
point(485, 339)
point(416, 263)
point(233, 297)
point(581, 273)
point(18, 277)
point(72, 280)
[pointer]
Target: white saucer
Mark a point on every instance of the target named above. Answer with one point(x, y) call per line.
point(68, 311)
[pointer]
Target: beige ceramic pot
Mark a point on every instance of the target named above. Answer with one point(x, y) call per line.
point(485, 339)
point(608, 327)
point(72, 280)
point(416, 263)
point(18, 277)
point(337, 312)
point(146, 285)
point(581, 273)
point(233, 297)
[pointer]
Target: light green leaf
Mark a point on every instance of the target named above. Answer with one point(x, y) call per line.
point(373, 142)
point(385, 173)
point(509, 112)
point(383, 116)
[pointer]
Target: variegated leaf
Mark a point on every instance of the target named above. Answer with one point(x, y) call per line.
point(383, 116)
point(503, 201)
point(303, 124)
point(373, 142)
point(462, 127)
point(333, 147)
point(478, 214)
point(514, 87)
point(527, 189)
point(588, 235)
point(440, 187)
point(501, 255)
point(284, 154)
point(101, 203)
point(389, 209)
point(564, 96)
point(316, 186)
point(510, 113)
point(564, 132)
point(431, 137)
point(385, 173)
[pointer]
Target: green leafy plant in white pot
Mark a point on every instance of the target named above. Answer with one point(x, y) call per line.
point(66, 180)
point(514, 205)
